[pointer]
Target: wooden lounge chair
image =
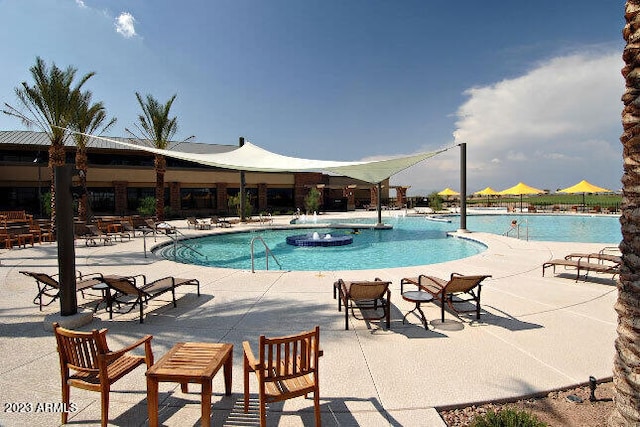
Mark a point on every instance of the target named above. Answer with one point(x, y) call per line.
point(94, 366)
point(444, 291)
point(286, 367)
point(127, 292)
point(49, 287)
point(580, 265)
point(368, 296)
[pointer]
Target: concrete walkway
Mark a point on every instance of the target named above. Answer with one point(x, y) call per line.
point(536, 334)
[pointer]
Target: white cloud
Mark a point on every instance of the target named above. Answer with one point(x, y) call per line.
point(551, 127)
point(81, 4)
point(125, 25)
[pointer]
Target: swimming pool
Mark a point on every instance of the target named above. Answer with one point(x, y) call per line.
point(412, 241)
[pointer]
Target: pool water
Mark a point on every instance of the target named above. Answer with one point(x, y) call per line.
point(412, 241)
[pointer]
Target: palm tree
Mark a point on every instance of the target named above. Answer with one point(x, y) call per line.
point(157, 130)
point(88, 119)
point(626, 366)
point(48, 105)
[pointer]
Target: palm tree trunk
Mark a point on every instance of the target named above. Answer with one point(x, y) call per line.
point(626, 367)
point(56, 158)
point(161, 168)
point(81, 165)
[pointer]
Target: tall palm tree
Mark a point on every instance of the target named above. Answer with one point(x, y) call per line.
point(88, 119)
point(48, 105)
point(157, 130)
point(626, 366)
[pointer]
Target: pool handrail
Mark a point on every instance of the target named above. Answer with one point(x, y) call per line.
point(267, 252)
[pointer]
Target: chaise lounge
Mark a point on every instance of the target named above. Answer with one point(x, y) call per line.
point(127, 291)
point(49, 287)
point(443, 291)
point(368, 296)
point(579, 263)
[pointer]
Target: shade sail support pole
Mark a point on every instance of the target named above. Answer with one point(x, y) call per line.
point(243, 184)
point(463, 187)
point(379, 204)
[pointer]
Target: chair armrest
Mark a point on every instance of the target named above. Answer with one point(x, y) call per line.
point(144, 340)
point(134, 277)
point(89, 276)
point(249, 357)
point(432, 282)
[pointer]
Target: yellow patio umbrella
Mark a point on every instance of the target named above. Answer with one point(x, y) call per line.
point(584, 187)
point(519, 190)
point(487, 192)
point(448, 192)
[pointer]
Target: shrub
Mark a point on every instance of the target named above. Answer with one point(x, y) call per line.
point(147, 206)
point(507, 418)
point(312, 201)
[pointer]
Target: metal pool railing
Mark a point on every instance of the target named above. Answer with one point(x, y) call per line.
point(267, 253)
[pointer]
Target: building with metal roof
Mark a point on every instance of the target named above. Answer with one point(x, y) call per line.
point(119, 177)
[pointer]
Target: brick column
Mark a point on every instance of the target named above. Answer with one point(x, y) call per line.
point(262, 197)
point(401, 196)
point(374, 196)
point(120, 192)
point(350, 193)
point(221, 197)
point(174, 197)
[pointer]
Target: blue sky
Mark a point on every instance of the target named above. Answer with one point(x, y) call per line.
point(533, 88)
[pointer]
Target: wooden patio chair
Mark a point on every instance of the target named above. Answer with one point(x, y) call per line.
point(128, 293)
point(368, 296)
point(444, 291)
point(49, 287)
point(286, 367)
point(95, 366)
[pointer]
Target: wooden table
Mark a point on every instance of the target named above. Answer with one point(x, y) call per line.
point(190, 362)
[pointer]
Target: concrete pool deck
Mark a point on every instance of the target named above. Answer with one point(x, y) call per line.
point(536, 334)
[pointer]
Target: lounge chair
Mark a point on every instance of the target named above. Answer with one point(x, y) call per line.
point(605, 254)
point(444, 291)
point(368, 296)
point(93, 234)
point(197, 224)
point(127, 291)
point(160, 227)
point(286, 367)
point(127, 227)
point(220, 222)
point(580, 265)
point(49, 287)
point(95, 366)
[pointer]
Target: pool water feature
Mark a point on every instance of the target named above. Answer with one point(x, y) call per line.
point(412, 241)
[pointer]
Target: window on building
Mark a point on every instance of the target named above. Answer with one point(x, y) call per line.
point(198, 198)
point(279, 199)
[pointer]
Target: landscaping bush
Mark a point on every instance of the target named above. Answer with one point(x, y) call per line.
point(507, 418)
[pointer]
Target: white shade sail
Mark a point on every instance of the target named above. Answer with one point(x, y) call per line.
point(252, 158)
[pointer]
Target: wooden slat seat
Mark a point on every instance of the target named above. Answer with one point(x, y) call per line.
point(286, 367)
point(86, 362)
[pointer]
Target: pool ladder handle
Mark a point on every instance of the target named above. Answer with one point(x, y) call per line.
point(517, 229)
point(267, 252)
point(176, 241)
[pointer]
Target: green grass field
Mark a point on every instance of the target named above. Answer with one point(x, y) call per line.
point(605, 201)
